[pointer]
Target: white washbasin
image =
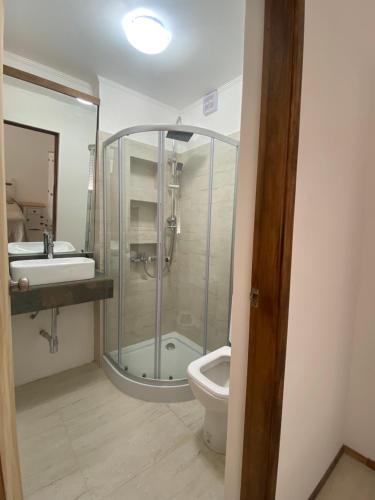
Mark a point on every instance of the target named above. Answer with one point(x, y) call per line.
point(30, 247)
point(44, 271)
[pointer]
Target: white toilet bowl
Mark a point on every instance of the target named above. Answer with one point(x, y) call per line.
point(209, 380)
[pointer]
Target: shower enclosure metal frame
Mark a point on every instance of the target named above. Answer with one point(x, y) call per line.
point(158, 389)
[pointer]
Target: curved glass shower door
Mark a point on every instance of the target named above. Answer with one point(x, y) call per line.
point(169, 198)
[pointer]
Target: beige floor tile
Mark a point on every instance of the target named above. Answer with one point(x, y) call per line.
point(70, 487)
point(350, 480)
point(189, 472)
point(105, 414)
point(119, 429)
point(191, 413)
point(82, 439)
point(45, 458)
point(32, 422)
point(87, 399)
point(116, 453)
point(59, 390)
point(87, 496)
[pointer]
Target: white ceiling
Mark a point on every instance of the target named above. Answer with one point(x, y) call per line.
point(85, 39)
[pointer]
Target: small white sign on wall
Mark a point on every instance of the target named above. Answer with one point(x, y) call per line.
point(210, 102)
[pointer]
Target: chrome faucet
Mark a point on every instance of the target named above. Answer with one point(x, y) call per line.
point(48, 243)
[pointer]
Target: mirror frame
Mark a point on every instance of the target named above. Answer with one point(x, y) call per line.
point(63, 89)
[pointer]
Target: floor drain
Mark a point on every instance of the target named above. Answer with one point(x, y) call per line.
point(170, 377)
point(126, 368)
point(170, 346)
point(144, 375)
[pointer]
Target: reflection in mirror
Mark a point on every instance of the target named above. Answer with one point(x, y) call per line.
point(50, 156)
point(31, 181)
point(90, 216)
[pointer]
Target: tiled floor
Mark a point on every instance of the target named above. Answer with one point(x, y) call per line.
point(350, 480)
point(82, 439)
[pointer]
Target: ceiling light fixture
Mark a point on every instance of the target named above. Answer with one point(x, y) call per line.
point(146, 32)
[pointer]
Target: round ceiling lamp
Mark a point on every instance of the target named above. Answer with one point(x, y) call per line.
point(146, 32)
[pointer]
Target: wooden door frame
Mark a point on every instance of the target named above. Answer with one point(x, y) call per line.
point(56, 136)
point(10, 476)
point(272, 244)
point(2, 487)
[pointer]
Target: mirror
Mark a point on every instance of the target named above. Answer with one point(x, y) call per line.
point(50, 156)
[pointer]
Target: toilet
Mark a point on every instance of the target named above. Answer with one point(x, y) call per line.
point(209, 381)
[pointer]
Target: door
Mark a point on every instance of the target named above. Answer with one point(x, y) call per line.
point(272, 244)
point(10, 477)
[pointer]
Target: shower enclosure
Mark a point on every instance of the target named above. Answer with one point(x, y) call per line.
point(169, 195)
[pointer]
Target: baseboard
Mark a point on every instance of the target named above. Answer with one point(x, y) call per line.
point(326, 475)
point(360, 458)
point(348, 451)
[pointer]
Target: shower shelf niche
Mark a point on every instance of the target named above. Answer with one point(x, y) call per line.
point(143, 238)
point(143, 180)
point(142, 195)
point(143, 201)
point(143, 220)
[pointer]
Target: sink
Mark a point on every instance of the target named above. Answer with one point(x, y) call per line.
point(44, 271)
point(30, 247)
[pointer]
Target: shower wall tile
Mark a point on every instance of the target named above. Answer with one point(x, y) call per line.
point(191, 245)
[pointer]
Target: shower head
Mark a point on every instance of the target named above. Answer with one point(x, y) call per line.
point(178, 135)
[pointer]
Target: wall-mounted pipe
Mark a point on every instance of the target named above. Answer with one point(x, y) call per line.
point(52, 337)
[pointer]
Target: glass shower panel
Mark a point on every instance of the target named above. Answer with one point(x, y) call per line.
point(221, 241)
point(112, 243)
point(139, 160)
point(186, 198)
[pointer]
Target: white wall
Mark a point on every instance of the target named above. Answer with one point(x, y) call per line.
point(121, 107)
point(328, 212)
point(360, 422)
point(26, 161)
point(226, 120)
point(32, 358)
point(76, 125)
point(245, 212)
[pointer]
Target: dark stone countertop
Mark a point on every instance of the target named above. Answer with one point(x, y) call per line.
point(39, 297)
